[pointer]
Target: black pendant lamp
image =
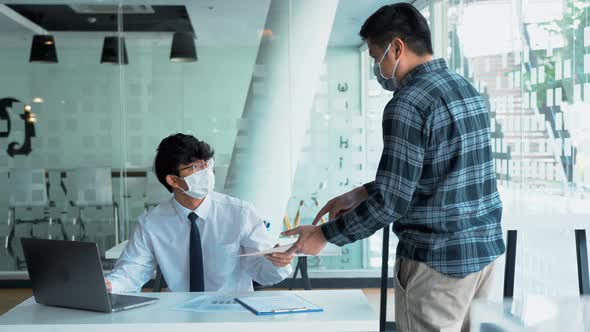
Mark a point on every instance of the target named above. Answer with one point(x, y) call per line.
point(183, 48)
point(110, 51)
point(43, 49)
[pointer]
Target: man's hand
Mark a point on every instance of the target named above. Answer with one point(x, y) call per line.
point(311, 240)
point(342, 204)
point(279, 259)
point(109, 285)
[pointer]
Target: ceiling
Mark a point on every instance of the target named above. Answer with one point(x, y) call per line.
point(93, 18)
point(9, 27)
point(215, 22)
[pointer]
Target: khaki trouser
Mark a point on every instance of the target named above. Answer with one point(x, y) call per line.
point(427, 300)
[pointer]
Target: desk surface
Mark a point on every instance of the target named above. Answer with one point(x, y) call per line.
point(344, 310)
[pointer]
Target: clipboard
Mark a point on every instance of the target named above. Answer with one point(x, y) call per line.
point(277, 304)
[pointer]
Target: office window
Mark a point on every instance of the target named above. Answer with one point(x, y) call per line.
point(545, 191)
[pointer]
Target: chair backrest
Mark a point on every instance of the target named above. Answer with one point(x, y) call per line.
point(155, 192)
point(28, 188)
point(510, 267)
point(93, 186)
point(582, 260)
point(384, 325)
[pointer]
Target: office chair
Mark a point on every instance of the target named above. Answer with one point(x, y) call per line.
point(28, 190)
point(155, 193)
point(509, 272)
point(582, 262)
point(509, 269)
point(384, 325)
point(159, 281)
point(93, 188)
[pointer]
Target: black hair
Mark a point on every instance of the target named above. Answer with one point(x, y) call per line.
point(179, 149)
point(400, 20)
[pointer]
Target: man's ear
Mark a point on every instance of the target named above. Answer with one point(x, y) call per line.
point(172, 181)
point(398, 47)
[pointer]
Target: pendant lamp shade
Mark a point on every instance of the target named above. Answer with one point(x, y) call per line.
point(43, 49)
point(110, 51)
point(183, 48)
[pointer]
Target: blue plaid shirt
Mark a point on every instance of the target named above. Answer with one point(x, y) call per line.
point(436, 181)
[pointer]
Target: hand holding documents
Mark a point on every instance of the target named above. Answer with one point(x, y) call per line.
point(279, 249)
point(287, 242)
point(277, 304)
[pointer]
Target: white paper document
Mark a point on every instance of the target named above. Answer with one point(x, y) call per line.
point(278, 249)
point(277, 304)
point(211, 303)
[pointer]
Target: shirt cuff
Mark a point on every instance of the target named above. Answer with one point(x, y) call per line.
point(370, 187)
point(333, 232)
point(272, 275)
point(116, 286)
point(285, 272)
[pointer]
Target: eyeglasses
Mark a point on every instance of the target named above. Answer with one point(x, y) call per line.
point(196, 166)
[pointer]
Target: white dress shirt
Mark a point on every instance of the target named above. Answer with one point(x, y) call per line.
point(228, 227)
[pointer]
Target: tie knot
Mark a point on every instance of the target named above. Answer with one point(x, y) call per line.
point(192, 216)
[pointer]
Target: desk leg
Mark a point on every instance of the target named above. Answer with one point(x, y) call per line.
point(301, 267)
point(294, 277)
point(304, 275)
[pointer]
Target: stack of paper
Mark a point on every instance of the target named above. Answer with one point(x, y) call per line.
point(279, 249)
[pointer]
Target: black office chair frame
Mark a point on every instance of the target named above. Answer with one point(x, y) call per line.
point(509, 269)
point(582, 261)
point(384, 325)
point(159, 281)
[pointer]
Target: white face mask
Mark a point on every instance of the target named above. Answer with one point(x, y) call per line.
point(200, 184)
point(389, 84)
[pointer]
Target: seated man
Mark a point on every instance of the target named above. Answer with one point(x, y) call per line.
point(197, 236)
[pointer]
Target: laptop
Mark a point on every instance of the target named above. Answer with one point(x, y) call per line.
point(69, 274)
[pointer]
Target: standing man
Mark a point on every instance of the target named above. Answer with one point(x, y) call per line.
point(435, 182)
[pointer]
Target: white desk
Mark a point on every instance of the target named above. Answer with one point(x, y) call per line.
point(344, 310)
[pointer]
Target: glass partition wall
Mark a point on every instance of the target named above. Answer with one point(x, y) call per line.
point(63, 174)
point(284, 92)
point(90, 88)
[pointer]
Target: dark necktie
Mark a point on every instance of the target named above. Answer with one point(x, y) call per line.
point(197, 280)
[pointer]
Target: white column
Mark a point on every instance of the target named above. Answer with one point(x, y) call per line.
point(277, 110)
point(439, 28)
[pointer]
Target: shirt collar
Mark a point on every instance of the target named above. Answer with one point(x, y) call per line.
point(202, 211)
point(427, 67)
